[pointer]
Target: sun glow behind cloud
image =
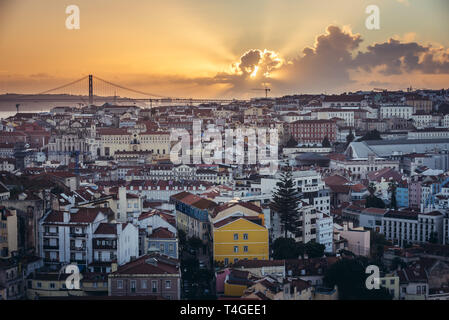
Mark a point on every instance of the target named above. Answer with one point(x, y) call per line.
point(199, 48)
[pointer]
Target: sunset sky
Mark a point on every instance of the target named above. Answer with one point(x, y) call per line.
point(212, 48)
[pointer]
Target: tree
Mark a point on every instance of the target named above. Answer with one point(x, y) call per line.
point(182, 238)
point(371, 135)
point(326, 143)
point(350, 137)
point(378, 242)
point(291, 143)
point(349, 275)
point(286, 203)
point(397, 262)
point(433, 237)
point(195, 243)
point(314, 249)
point(372, 188)
point(284, 248)
point(374, 202)
point(392, 186)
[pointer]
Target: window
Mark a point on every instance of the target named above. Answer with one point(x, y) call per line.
point(133, 286)
point(143, 284)
point(236, 249)
point(245, 236)
point(168, 284)
point(245, 249)
point(154, 286)
point(119, 284)
point(52, 285)
point(39, 285)
point(226, 261)
point(236, 236)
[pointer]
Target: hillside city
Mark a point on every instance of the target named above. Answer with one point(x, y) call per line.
point(360, 180)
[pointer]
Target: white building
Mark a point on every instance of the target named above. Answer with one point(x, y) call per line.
point(396, 111)
point(66, 236)
point(325, 231)
point(360, 167)
point(412, 227)
point(114, 243)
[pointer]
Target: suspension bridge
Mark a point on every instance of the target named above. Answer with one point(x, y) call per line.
point(81, 91)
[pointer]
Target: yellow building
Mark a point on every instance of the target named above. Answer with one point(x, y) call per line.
point(50, 285)
point(238, 238)
point(391, 283)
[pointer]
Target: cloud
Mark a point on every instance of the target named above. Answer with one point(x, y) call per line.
point(330, 63)
point(397, 58)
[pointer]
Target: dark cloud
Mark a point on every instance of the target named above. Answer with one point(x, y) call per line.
point(397, 58)
point(329, 63)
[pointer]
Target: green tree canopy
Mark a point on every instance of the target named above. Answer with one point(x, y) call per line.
point(285, 248)
point(371, 135)
point(285, 203)
point(349, 275)
point(374, 202)
point(326, 143)
point(314, 249)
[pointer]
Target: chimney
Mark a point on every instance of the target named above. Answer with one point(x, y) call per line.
point(113, 267)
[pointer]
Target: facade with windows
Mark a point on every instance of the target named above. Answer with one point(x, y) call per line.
point(240, 238)
point(412, 227)
point(148, 276)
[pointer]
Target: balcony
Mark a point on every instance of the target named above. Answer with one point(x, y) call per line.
point(51, 247)
point(52, 260)
point(51, 234)
point(78, 248)
point(77, 235)
point(79, 261)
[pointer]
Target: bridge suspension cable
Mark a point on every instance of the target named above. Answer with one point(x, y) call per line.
point(129, 89)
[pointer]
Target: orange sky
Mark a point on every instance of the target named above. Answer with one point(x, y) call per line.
point(194, 47)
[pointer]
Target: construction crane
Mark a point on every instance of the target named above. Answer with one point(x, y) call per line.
point(264, 89)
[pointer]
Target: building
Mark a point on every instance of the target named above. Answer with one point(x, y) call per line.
point(9, 235)
point(421, 104)
point(113, 243)
point(360, 167)
point(325, 231)
point(358, 239)
point(313, 131)
point(240, 238)
point(11, 280)
point(412, 227)
point(163, 241)
point(113, 140)
point(396, 111)
point(150, 275)
point(428, 133)
point(192, 215)
point(344, 101)
point(67, 236)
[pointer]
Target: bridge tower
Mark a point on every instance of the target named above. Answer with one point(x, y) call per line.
point(91, 91)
